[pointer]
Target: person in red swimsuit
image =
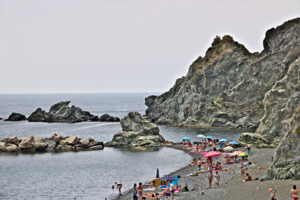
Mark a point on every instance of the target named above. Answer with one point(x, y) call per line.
point(294, 193)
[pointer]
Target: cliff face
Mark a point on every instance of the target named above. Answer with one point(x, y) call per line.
point(231, 87)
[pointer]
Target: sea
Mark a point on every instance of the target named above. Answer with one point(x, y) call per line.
point(87, 174)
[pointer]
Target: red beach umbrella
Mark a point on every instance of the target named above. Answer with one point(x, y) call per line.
point(212, 154)
point(204, 153)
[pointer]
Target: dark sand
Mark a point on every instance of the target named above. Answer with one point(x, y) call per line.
point(231, 186)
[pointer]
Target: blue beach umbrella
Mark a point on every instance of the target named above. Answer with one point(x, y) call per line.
point(223, 140)
point(186, 138)
point(234, 143)
point(210, 137)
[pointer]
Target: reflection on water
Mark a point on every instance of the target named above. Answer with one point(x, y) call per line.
point(84, 175)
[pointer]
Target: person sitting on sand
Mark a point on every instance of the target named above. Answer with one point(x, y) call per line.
point(217, 179)
point(243, 170)
point(119, 187)
point(193, 163)
point(199, 163)
point(294, 193)
point(248, 177)
point(189, 145)
point(209, 178)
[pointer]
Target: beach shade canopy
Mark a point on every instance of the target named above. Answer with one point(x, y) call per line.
point(228, 148)
point(186, 138)
point(201, 136)
point(236, 153)
point(157, 173)
point(223, 140)
point(168, 178)
point(234, 143)
point(210, 137)
point(212, 154)
point(243, 154)
point(204, 153)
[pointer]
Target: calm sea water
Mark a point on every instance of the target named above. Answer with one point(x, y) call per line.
point(83, 175)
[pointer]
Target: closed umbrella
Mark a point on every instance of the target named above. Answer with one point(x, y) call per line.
point(157, 173)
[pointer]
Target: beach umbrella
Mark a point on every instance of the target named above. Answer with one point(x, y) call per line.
point(168, 178)
point(204, 153)
point(212, 154)
point(157, 173)
point(201, 136)
point(236, 153)
point(234, 143)
point(223, 140)
point(186, 138)
point(243, 154)
point(228, 148)
point(210, 137)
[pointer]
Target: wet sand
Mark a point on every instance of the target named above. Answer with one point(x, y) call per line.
point(231, 186)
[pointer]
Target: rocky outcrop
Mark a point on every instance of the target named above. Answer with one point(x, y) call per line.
point(56, 143)
point(231, 87)
point(16, 117)
point(136, 131)
point(286, 162)
point(108, 118)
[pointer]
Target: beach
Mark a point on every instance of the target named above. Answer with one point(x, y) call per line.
point(231, 186)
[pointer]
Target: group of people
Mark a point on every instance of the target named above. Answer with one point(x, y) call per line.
point(294, 193)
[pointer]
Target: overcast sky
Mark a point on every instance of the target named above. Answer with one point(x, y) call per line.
point(74, 46)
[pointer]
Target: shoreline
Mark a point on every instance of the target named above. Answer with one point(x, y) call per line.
point(231, 186)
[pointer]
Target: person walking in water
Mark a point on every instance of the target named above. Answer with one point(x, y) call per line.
point(134, 192)
point(209, 178)
point(294, 193)
point(119, 187)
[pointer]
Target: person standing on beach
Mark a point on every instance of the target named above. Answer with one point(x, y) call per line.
point(217, 179)
point(294, 193)
point(209, 178)
point(134, 192)
point(273, 194)
point(140, 191)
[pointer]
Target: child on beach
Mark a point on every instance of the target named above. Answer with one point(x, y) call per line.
point(294, 193)
point(217, 179)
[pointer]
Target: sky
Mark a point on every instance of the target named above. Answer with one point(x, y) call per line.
point(112, 46)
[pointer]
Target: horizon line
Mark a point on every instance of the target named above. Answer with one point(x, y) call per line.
point(29, 93)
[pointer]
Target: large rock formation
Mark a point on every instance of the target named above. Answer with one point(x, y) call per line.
point(136, 131)
point(108, 118)
point(286, 163)
point(16, 117)
point(56, 143)
point(231, 87)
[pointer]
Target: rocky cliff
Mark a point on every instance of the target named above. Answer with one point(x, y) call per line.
point(231, 87)
point(286, 164)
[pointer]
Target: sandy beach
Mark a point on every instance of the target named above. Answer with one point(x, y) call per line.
point(231, 186)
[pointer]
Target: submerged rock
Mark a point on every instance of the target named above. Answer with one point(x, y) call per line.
point(16, 117)
point(136, 131)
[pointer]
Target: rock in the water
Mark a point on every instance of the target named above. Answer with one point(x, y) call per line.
point(1, 118)
point(12, 148)
point(3, 146)
point(229, 79)
point(11, 140)
point(16, 117)
point(136, 132)
point(27, 143)
point(61, 112)
point(71, 140)
point(108, 118)
point(286, 163)
point(39, 144)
